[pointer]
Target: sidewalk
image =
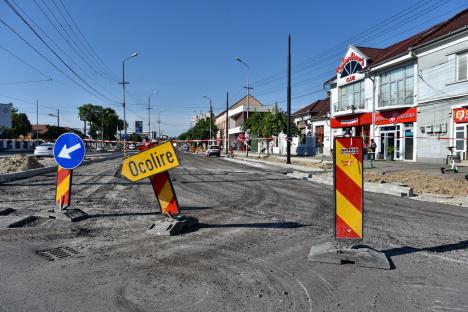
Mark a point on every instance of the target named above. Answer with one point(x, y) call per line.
point(425, 179)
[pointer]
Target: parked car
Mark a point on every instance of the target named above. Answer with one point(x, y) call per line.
point(213, 150)
point(44, 149)
point(132, 147)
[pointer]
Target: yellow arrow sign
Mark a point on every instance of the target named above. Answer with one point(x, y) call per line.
point(150, 162)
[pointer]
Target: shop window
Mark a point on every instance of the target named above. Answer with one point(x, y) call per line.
point(462, 66)
point(351, 97)
point(397, 87)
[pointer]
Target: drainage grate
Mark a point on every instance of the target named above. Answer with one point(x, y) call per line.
point(57, 253)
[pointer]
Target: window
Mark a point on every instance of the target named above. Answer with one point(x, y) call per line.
point(397, 87)
point(349, 96)
point(462, 66)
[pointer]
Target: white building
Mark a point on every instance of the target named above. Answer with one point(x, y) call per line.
point(312, 121)
point(409, 97)
point(237, 114)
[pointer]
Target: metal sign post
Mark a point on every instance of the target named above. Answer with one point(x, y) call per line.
point(348, 173)
point(69, 152)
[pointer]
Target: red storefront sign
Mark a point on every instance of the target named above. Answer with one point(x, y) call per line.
point(460, 115)
point(351, 121)
point(396, 116)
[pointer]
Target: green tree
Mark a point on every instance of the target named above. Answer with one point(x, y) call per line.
point(266, 125)
point(20, 123)
point(101, 120)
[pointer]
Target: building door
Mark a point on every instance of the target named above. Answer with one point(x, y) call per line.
point(390, 143)
point(409, 141)
point(319, 138)
point(460, 142)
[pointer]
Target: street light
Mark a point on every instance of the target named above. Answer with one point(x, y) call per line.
point(149, 114)
point(123, 92)
point(248, 92)
point(211, 116)
point(56, 115)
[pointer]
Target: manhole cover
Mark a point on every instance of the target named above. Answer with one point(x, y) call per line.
point(57, 253)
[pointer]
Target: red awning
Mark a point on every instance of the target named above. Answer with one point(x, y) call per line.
point(351, 121)
point(396, 116)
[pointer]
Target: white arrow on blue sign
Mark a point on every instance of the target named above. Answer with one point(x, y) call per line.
point(69, 150)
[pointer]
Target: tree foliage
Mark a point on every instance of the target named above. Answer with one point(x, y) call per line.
point(20, 125)
point(272, 123)
point(101, 120)
point(201, 130)
point(53, 132)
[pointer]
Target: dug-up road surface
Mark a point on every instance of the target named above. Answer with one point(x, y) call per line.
point(249, 252)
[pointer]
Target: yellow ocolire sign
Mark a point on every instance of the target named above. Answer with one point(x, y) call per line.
point(150, 162)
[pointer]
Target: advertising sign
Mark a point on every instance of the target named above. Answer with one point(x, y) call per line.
point(460, 115)
point(348, 182)
point(138, 126)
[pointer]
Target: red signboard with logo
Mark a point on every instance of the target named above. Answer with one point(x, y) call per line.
point(460, 115)
point(396, 116)
point(351, 121)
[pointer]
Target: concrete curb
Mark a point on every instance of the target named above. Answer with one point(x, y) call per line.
point(7, 177)
point(261, 162)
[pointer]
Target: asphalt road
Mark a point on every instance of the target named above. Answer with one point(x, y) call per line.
point(248, 254)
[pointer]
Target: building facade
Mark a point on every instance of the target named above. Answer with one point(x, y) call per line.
point(410, 97)
point(313, 122)
point(237, 114)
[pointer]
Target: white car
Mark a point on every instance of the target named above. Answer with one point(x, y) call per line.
point(45, 149)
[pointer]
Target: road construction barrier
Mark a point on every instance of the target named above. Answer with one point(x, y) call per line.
point(63, 187)
point(348, 182)
point(163, 189)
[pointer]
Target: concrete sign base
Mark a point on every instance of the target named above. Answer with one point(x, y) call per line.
point(73, 215)
point(168, 227)
point(362, 256)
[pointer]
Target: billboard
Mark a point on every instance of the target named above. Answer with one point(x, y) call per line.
point(5, 115)
point(138, 126)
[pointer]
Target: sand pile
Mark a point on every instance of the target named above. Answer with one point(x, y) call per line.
point(18, 163)
point(421, 182)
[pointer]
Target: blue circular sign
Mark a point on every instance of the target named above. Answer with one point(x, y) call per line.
point(69, 150)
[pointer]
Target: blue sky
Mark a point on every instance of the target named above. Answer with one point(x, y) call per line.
point(187, 50)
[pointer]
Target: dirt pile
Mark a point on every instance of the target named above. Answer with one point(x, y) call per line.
point(420, 181)
point(18, 163)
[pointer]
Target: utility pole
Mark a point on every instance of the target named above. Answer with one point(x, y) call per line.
point(150, 134)
point(159, 127)
point(58, 117)
point(102, 127)
point(227, 124)
point(288, 142)
point(211, 116)
point(123, 98)
point(37, 122)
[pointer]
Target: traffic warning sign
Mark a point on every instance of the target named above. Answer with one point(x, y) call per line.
point(150, 162)
point(348, 181)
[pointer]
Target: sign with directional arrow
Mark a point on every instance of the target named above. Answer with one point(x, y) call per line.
point(69, 150)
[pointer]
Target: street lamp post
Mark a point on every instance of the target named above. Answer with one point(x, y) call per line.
point(211, 116)
point(149, 114)
point(123, 93)
point(58, 117)
point(248, 93)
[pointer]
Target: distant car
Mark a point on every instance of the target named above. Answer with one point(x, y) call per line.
point(45, 149)
point(213, 150)
point(131, 146)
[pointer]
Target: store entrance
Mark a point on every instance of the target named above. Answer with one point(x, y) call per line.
point(390, 143)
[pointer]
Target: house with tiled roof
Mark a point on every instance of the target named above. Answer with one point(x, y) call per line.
point(312, 121)
point(411, 97)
